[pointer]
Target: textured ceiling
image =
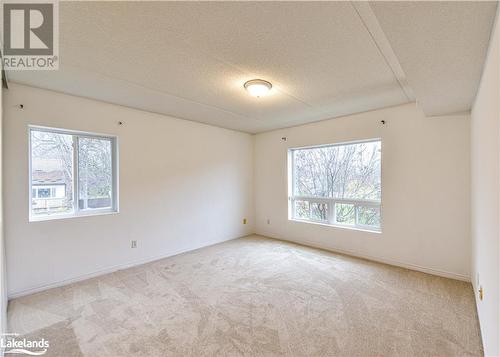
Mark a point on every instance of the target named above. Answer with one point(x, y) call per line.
point(325, 59)
point(441, 47)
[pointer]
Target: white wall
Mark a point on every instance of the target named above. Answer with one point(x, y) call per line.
point(183, 185)
point(3, 279)
point(485, 196)
point(425, 189)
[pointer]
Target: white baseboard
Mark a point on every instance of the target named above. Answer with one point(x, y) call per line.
point(410, 266)
point(115, 268)
point(107, 270)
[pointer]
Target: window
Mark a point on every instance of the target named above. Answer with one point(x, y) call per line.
point(337, 184)
point(72, 174)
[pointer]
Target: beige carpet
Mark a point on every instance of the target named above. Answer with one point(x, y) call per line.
point(255, 297)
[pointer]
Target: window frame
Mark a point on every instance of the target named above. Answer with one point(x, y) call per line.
point(77, 212)
point(331, 202)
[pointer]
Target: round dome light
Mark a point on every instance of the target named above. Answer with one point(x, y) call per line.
point(258, 87)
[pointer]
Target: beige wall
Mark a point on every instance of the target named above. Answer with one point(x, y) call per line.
point(485, 197)
point(183, 185)
point(425, 189)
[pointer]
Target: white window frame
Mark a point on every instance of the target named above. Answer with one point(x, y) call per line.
point(77, 212)
point(330, 202)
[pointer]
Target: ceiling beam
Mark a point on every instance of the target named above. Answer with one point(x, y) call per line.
point(372, 25)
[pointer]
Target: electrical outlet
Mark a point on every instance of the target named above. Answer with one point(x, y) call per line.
point(268, 221)
point(134, 244)
point(244, 221)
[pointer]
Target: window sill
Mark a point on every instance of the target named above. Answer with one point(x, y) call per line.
point(352, 228)
point(73, 215)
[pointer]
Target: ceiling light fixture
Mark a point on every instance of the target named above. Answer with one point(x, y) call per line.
point(258, 87)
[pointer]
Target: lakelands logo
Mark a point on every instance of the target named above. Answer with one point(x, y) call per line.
point(30, 35)
point(11, 344)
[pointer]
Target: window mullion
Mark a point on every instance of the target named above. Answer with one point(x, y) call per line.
point(75, 174)
point(30, 177)
point(114, 173)
point(331, 211)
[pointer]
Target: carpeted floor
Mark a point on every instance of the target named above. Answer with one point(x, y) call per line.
point(255, 297)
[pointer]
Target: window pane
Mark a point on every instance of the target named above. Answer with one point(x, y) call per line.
point(349, 171)
point(369, 216)
point(301, 209)
point(345, 213)
point(95, 172)
point(319, 211)
point(51, 168)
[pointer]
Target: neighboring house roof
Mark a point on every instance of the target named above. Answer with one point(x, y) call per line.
point(47, 177)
